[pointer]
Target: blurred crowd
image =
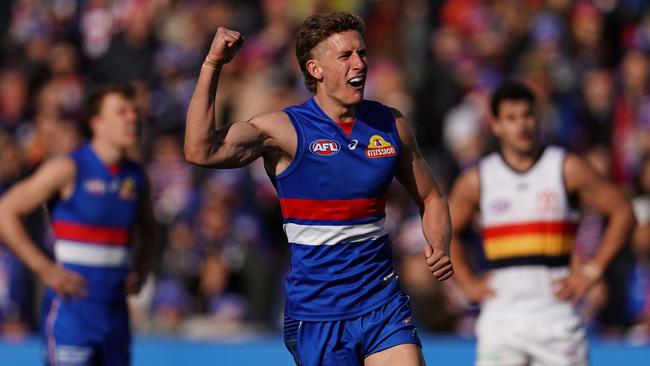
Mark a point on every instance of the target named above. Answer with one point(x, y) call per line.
point(222, 254)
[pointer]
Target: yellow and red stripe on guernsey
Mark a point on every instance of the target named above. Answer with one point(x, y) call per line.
point(539, 238)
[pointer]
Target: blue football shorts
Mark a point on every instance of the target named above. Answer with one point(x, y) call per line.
point(86, 333)
point(348, 342)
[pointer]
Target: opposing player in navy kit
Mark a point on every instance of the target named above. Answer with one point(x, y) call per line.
point(331, 160)
point(526, 195)
point(99, 207)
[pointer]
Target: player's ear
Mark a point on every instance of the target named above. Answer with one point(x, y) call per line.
point(93, 123)
point(314, 69)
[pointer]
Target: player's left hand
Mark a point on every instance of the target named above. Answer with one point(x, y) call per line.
point(574, 287)
point(438, 262)
point(133, 283)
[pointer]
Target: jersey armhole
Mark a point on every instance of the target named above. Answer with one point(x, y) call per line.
point(572, 199)
point(75, 187)
point(300, 147)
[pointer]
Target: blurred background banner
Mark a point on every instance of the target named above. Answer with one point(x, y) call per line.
point(223, 253)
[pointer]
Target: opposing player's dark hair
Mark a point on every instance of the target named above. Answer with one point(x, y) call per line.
point(318, 28)
point(510, 90)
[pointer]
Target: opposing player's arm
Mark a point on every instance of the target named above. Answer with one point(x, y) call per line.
point(595, 192)
point(145, 242)
point(602, 195)
point(414, 174)
point(54, 177)
point(463, 205)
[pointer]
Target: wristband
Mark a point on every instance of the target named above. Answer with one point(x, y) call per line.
point(212, 65)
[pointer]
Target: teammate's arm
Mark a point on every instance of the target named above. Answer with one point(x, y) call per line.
point(463, 204)
point(144, 243)
point(54, 177)
point(603, 196)
point(414, 174)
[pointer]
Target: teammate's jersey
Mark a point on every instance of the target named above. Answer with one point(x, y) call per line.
point(93, 226)
point(528, 227)
point(332, 197)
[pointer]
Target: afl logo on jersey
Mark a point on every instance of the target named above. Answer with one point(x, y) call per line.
point(380, 148)
point(325, 147)
point(95, 186)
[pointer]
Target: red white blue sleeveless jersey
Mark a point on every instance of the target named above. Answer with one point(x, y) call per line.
point(93, 226)
point(332, 197)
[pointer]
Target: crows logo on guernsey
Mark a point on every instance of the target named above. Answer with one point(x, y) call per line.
point(325, 147)
point(380, 148)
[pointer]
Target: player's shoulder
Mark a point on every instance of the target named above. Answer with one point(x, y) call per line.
point(468, 184)
point(63, 164)
point(56, 171)
point(271, 121)
point(469, 176)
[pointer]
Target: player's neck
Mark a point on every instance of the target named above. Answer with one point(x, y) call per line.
point(518, 160)
point(107, 153)
point(336, 111)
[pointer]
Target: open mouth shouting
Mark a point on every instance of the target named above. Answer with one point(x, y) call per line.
point(357, 82)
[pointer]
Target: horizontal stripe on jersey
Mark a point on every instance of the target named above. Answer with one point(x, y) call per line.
point(333, 234)
point(539, 227)
point(351, 209)
point(91, 234)
point(528, 244)
point(91, 254)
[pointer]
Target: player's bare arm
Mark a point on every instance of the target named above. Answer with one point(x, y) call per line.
point(234, 145)
point(463, 206)
point(414, 174)
point(55, 177)
point(145, 242)
point(595, 192)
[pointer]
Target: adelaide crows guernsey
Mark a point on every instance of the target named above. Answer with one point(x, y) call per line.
point(93, 226)
point(332, 197)
point(528, 226)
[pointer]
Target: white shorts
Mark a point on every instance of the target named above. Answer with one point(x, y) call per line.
point(531, 341)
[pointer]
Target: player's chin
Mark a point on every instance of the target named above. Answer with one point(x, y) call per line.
point(355, 96)
point(129, 141)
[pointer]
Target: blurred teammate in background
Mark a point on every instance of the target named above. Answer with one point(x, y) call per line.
point(331, 160)
point(527, 197)
point(102, 220)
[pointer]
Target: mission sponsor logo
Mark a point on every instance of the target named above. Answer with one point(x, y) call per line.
point(325, 147)
point(380, 148)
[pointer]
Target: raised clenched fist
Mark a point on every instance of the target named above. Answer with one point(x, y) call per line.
point(225, 45)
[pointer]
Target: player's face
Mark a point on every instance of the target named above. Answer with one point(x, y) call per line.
point(340, 64)
point(117, 121)
point(516, 126)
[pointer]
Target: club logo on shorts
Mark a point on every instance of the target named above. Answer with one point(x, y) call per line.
point(325, 147)
point(380, 148)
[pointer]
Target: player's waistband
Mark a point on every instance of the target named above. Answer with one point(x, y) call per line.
point(91, 254)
